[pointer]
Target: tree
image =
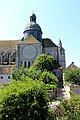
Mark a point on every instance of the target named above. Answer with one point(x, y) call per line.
point(72, 76)
point(43, 62)
point(49, 78)
point(46, 77)
point(27, 96)
point(27, 100)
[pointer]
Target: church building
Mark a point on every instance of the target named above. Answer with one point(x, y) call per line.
point(32, 45)
point(25, 51)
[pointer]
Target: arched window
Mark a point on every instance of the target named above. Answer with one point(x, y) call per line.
point(29, 64)
point(21, 62)
point(25, 64)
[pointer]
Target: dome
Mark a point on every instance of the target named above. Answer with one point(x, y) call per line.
point(33, 29)
point(33, 26)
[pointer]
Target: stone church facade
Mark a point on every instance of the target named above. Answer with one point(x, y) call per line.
point(33, 45)
point(24, 51)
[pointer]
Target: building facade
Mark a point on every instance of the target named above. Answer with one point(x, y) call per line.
point(33, 45)
point(5, 74)
point(25, 51)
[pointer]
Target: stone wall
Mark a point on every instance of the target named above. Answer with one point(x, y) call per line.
point(5, 79)
point(75, 89)
point(51, 51)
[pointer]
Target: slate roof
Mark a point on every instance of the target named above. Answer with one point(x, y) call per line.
point(33, 26)
point(5, 69)
point(48, 43)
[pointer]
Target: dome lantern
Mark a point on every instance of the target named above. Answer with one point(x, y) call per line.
point(33, 18)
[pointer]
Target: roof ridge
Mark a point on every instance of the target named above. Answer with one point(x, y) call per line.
point(31, 39)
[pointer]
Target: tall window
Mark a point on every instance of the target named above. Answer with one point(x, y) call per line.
point(29, 64)
point(21, 63)
point(25, 64)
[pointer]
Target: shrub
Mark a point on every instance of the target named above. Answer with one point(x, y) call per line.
point(70, 109)
point(25, 100)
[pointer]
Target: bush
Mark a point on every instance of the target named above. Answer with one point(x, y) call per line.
point(51, 115)
point(70, 109)
point(18, 73)
point(25, 100)
point(35, 75)
point(49, 78)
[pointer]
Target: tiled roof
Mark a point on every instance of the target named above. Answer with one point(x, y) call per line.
point(5, 69)
point(48, 43)
point(11, 44)
point(72, 66)
point(31, 40)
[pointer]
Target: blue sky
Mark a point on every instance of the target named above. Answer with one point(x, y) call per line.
point(57, 18)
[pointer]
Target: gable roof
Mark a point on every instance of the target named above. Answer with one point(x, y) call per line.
point(72, 66)
point(31, 40)
point(48, 43)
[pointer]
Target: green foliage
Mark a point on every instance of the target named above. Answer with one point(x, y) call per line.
point(51, 115)
point(43, 62)
point(70, 109)
point(49, 78)
point(18, 73)
point(25, 100)
point(46, 77)
point(72, 76)
point(35, 75)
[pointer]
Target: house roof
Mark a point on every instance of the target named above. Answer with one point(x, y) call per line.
point(72, 66)
point(48, 43)
point(30, 40)
point(5, 69)
point(11, 44)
